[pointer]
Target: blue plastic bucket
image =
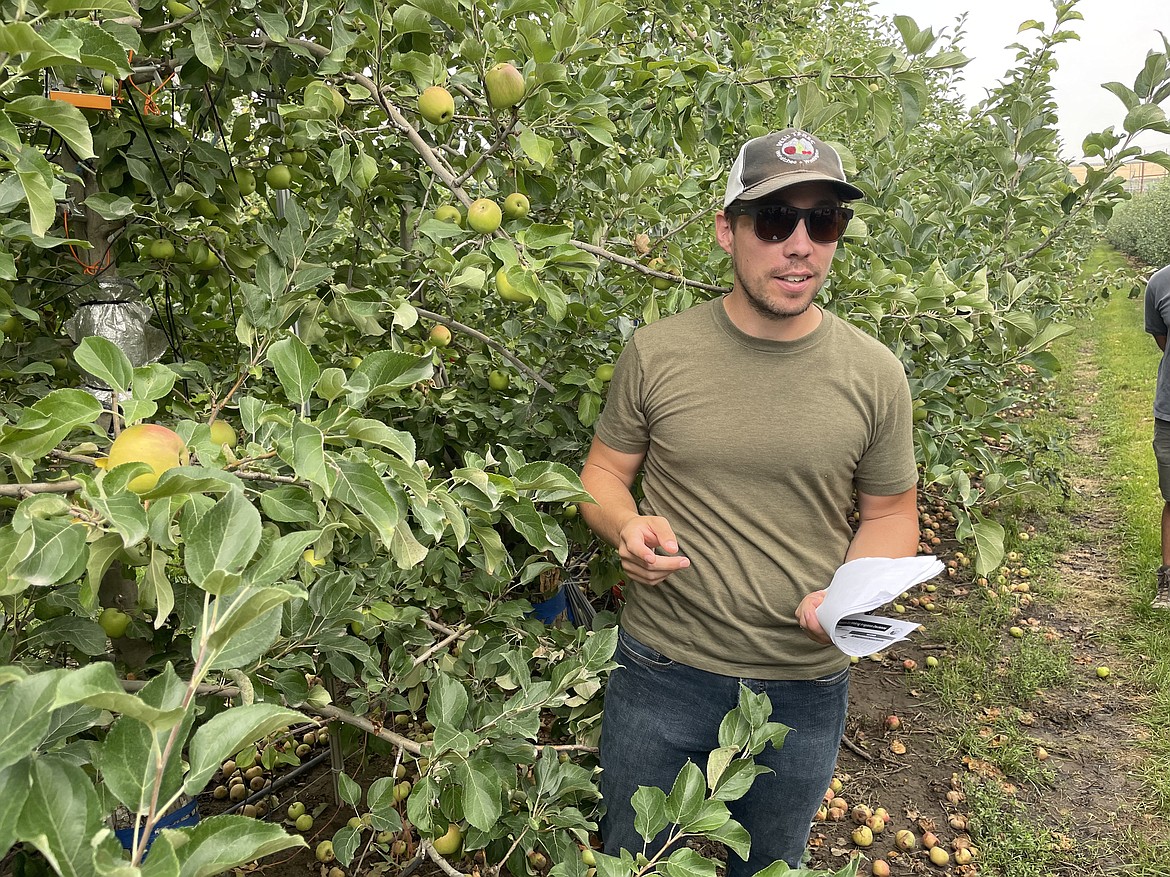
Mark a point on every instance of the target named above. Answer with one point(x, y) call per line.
point(184, 817)
point(553, 609)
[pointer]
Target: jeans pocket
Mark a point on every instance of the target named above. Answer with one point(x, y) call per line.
point(642, 654)
point(832, 679)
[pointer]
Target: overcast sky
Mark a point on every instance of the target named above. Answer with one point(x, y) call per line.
point(1115, 37)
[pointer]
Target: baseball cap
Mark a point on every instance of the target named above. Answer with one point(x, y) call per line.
point(784, 158)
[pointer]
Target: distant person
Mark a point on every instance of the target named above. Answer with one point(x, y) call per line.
point(1157, 321)
point(756, 420)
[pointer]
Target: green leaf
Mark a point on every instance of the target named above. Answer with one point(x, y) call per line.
point(375, 432)
point(388, 370)
point(289, 504)
point(734, 836)
point(242, 609)
point(481, 796)
point(359, 487)
point(280, 558)
point(537, 148)
point(988, 544)
point(1145, 117)
point(114, 7)
point(60, 816)
point(250, 642)
point(225, 539)
point(16, 781)
point(208, 46)
point(227, 733)
point(55, 553)
point(447, 704)
point(688, 863)
point(351, 792)
point(36, 176)
point(66, 119)
point(122, 509)
point(98, 686)
point(219, 843)
point(106, 361)
point(110, 207)
point(650, 817)
point(686, 795)
point(26, 714)
point(295, 368)
point(717, 763)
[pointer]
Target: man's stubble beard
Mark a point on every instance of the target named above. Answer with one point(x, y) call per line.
point(767, 309)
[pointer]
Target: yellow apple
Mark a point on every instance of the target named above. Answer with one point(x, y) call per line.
point(484, 215)
point(436, 105)
point(505, 85)
point(223, 434)
point(440, 336)
point(158, 447)
point(508, 290)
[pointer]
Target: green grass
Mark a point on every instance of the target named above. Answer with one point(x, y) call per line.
point(983, 668)
point(1127, 362)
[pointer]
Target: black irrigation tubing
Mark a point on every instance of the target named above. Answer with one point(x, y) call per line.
point(149, 140)
point(219, 128)
point(279, 783)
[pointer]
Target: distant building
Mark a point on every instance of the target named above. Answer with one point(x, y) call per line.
point(1138, 175)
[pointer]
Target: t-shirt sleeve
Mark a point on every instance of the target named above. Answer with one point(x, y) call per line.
point(888, 466)
point(623, 424)
point(1155, 295)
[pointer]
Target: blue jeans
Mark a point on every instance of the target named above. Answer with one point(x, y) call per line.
point(659, 713)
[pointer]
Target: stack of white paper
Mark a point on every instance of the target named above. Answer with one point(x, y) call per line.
point(864, 584)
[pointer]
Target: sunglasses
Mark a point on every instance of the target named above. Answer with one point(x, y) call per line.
point(777, 222)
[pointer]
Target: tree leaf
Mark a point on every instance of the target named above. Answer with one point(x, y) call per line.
point(219, 843)
point(225, 539)
point(106, 361)
point(295, 368)
point(481, 796)
point(25, 714)
point(227, 733)
point(62, 117)
point(688, 863)
point(60, 816)
point(650, 817)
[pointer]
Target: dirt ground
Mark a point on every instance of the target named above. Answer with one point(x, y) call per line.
point(1088, 730)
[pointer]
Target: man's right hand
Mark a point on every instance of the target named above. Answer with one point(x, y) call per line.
point(639, 540)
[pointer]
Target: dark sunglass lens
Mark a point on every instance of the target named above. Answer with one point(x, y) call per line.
point(775, 223)
point(827, 224)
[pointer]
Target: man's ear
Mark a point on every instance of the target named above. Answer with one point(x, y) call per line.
point(723, 232)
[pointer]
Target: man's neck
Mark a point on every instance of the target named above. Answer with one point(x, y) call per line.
point(768, 327)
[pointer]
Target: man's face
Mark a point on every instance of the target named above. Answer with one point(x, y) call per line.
point(779, 279)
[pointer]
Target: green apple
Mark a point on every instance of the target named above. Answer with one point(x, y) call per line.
point(296, 810)
point(508, 290)
point(325, 851)
point(604, 372)
point(505, 85)
point(484, 215)
point(449, 843)
point(177, 9)
point(114, 622)
point(161, 249)
point(278, 177)
point(246, 180)
point(499, 380)
point(449, 213)
point(440, 336)
point(223, 434)
point(158, 447)
point(516, 205)
point(436, 105)
point(304, 822)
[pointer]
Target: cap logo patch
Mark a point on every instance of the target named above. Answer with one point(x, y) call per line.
point(797, 148)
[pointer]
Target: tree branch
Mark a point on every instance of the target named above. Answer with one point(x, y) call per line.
point(490, 342)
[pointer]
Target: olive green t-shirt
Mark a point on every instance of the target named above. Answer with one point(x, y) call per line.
point(753, 449)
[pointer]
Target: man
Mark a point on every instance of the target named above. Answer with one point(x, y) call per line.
point(1157, 319)
point(753, 419)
